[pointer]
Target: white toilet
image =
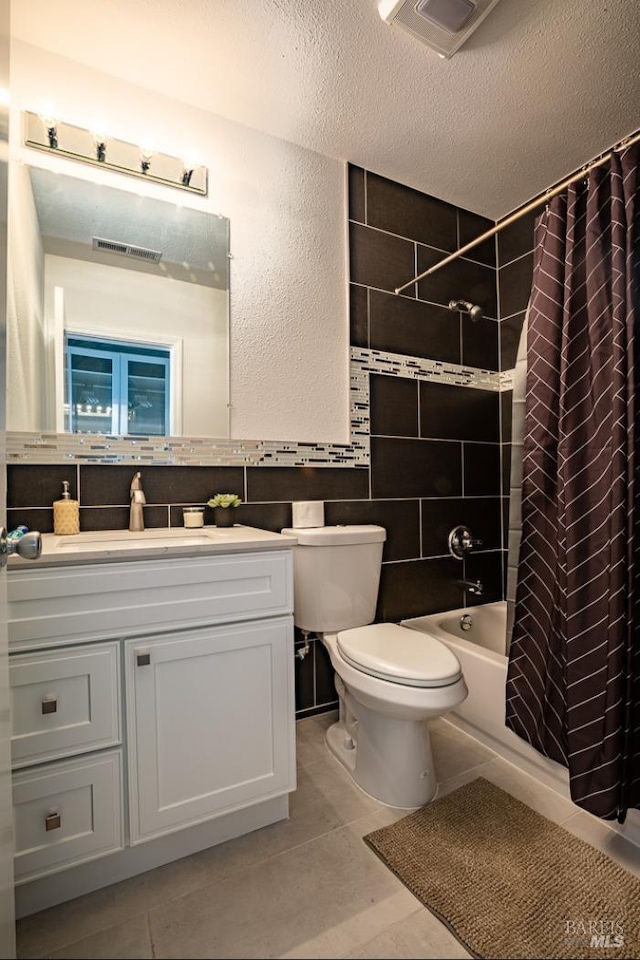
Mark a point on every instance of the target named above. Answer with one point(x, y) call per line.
point(389, 679)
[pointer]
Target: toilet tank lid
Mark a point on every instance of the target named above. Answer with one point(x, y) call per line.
point(337, 536)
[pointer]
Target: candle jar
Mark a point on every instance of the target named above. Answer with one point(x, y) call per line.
point(193, 516)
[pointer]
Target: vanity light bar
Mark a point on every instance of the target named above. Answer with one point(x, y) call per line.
point(76, 143)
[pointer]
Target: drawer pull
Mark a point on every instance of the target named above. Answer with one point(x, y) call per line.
point(50, 703)
point(52, 822)
point(143, 659)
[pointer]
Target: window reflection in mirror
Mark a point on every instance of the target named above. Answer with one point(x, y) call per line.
point(116, 388)
point(126, 288)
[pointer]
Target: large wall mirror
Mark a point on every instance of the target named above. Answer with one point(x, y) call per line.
point(118, 311)
point(288, 338)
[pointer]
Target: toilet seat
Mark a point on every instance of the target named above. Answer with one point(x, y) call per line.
point(399, 655)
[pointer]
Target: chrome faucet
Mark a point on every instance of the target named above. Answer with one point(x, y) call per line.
point(138, 499)
point(461, 542)
point(472, 586)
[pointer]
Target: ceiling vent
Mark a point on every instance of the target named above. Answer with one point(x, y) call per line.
point(443, 25)
point(127, 250)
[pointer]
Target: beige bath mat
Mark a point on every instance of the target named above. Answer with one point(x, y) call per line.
point(508, 882)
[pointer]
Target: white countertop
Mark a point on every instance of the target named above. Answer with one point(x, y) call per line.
point(112, 545)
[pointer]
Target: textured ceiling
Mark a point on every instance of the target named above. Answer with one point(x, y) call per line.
point(540, 88)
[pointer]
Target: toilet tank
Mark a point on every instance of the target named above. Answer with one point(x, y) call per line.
point(336, 573)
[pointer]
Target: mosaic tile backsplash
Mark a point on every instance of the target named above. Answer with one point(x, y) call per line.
point(176, 451)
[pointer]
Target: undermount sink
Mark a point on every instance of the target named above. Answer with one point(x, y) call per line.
point(121, 539)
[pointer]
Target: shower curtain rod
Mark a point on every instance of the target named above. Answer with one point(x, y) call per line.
point(542, 198)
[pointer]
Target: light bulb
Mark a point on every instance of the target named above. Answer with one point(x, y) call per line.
point(48, 114)
point(48, 118)
point(146, 153)
point(189, 163)
point(99, 134)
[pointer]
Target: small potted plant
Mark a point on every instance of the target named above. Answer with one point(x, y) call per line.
point(222, 503)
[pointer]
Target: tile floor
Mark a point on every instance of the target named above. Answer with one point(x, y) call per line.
point(307, 887)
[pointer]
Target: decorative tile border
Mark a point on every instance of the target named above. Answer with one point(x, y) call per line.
point(417, 368)
point(181, 451)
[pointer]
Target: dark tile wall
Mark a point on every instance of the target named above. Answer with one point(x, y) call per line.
point(393, 230)
point(515, 259)
point(435, 448)
point(515, 265)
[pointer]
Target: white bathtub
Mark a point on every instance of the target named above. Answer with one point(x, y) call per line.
point(488, 627)
point(481, 652)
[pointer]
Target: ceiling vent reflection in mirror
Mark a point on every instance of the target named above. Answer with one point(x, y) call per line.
point(48, 133)
point(127, 250)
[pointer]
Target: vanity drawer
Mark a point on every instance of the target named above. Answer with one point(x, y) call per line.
point(67, 813)
point(68, 604)
point(64, 702)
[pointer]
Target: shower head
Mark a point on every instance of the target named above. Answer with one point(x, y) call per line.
point(474, 311)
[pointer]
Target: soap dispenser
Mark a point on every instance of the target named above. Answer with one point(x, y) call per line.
point(66, 513)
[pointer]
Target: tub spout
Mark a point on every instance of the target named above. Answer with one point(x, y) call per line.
point(472, 586)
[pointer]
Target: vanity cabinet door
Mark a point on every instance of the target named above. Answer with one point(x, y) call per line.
point(210, 723)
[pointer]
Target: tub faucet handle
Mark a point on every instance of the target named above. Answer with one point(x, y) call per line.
point(461, 541)
point(470, 542)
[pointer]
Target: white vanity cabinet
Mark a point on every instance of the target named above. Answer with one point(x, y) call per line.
point(153, 712)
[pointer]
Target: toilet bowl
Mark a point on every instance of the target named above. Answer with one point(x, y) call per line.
point(388, 686)
point(390, 679)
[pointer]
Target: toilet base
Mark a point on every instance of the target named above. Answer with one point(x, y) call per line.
point(391, 760)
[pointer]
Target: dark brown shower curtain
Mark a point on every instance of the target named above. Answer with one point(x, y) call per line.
point(573, 688)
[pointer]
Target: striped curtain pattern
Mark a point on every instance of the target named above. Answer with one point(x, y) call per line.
point(573, 687)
